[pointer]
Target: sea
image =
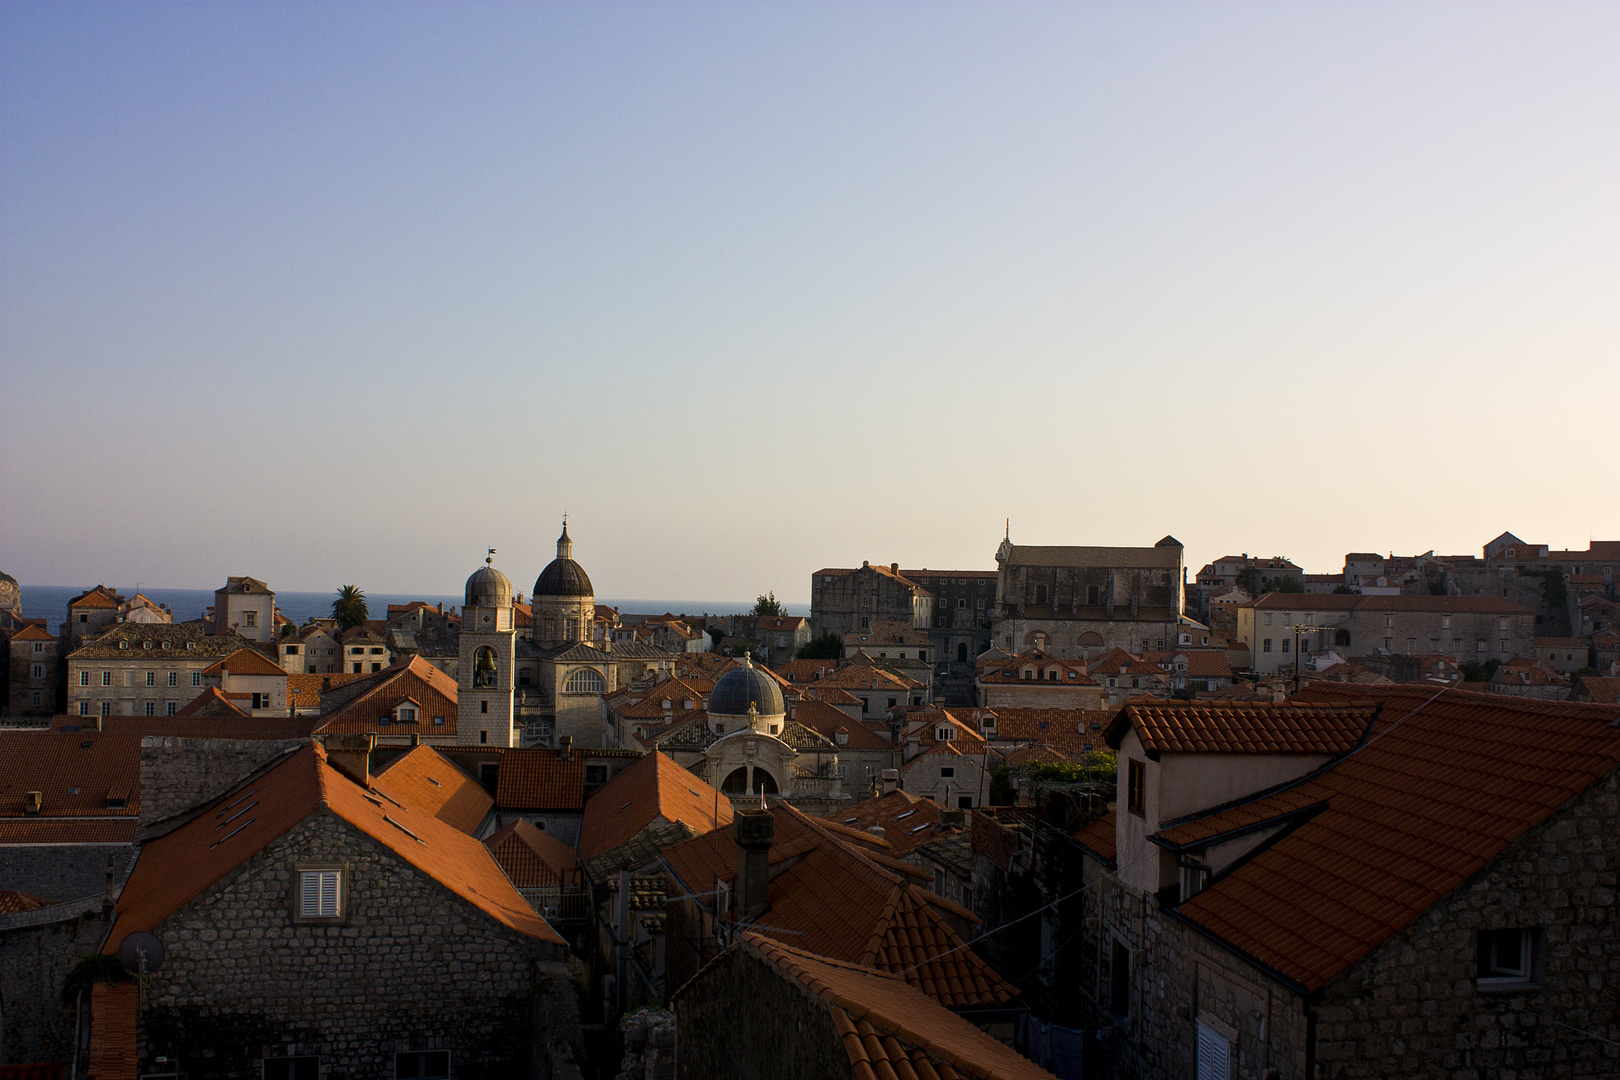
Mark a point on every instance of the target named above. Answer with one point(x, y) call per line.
point(50, 602)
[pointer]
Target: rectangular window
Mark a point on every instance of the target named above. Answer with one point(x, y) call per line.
point(292, 1068)
point(483, 706)
point(1136, 788)
point(1119, 981)
point(196, 678)
point(174, 678)
point(947, 772)
point(250, 618)
point(356, 667)
point(1285, 644)
point(36, 671)
point(1214, 1054)
point(39, 646)
point(106, 678)
point(422, 1065)
point(84, 678)
point(1265, 646)
point(170, 708)
point(151, 678)
point(106, 708)
point(320, 894)
point(151, 708)
point(1509, 959)
point(35, 700)
point(84, 708)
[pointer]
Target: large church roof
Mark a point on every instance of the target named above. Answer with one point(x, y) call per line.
point(563, 576)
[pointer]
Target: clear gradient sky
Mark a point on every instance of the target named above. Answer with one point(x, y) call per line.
point(332, 293)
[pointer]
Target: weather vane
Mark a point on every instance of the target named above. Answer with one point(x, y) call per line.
point(489, 560)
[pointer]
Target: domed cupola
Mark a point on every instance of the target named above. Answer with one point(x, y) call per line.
point(563, 576)
point(746, 689)
point(488, 587)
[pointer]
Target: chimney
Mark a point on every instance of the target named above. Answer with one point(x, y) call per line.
point(351, 756)
point(754, 830)
point(894, 568)
point(34, 803)
point(416, 738)
point(565, 747)
point(1279, 694)
point(95, 722)
point(891, 777)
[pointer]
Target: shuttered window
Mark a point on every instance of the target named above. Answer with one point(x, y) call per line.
point(318, 897)
point(1214, 1054)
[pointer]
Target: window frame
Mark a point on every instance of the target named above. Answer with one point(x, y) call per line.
point(291, 1062)
point(1136, 787)
point(449, 1064)
point(1530, 971)
point(295, 897)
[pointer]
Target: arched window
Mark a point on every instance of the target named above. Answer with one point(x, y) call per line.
point(1040, 594)
point(585, 681)
point(483, 667)
point(1341, 637)
point(737, 782)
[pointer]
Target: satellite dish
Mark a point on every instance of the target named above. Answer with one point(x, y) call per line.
point(141, 953)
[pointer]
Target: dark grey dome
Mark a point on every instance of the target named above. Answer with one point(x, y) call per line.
point(488, 587)
point(563, 577)
point(745, 686)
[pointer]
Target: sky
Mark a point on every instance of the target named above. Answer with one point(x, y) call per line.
point(338, 292)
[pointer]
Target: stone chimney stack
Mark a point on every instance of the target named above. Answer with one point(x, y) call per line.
point(351, 756)
point(754, 831)
point(565, 747)
point(891, 778)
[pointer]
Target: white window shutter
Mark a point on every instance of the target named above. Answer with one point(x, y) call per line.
point(329, 884)
point(1214, 1054)
point(309, 904)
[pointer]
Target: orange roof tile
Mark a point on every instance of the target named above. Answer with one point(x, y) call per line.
point(212, 702)
point(20, 830)
point(539, 779)
point(245, 662)
point(75, 771)
point(890, 1029)
point(32, 633)
point(12, 901)
point(1098, 837)
point(433, 690)
point(898, 814)
point(113, 1053)
point(857, 677)
point(828, 722)
point(430, 781)
point(653, 789)
point(532, 858)
point(175, 868)
point(1241, 728)
point(1446, 781)
point(845, 900)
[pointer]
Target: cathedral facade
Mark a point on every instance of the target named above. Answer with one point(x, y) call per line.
point(539, 686)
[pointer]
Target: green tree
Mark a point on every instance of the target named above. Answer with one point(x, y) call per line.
point(1002, 792)
point(1288, 585)
point(349, 609)
point(90, 970)
point(717, 634)
point(1248, 579)
point(825, 647)
point(1343, 590)
point(767, 604)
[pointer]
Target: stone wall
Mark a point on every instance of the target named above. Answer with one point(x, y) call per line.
point(37, 949)
point(61, 872)
point(413, 967)
point(178, 774)
point(1412, 1007)
point(741, 1021)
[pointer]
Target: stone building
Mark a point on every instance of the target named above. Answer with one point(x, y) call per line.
point(313, 650)
point(1035, 680)
point(31, 660)
point(88, 614)
point(144, 669)
point(1262, 573)
point(245, 606)
point(402, 705)
point(1076, 602)
point(812, 1017)
point(1469, 628)
point(842, 600)
point(302, 888)
point(1347, 886)
point(365, 648)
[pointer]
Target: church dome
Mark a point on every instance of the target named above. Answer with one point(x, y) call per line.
point(563, 576)
point(488, 587)
point(741, 687)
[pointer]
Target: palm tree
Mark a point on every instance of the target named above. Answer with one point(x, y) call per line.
point(349, 609)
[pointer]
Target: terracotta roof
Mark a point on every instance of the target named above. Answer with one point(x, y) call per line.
point(1201, 663)
point(532, 858)
point(428, 780)
point(186, 641)
point(832, 695)
point(898, 814)
point(890, 1029)
point(857, 677)
point(806, 671)
point(1604, 689)
point(1447, 780)
point(32, 633)
point(827, 722)
point(433, 691)
point(113, 1052)
point(654, 789)
point(75, 771)
point(212, 702)
point(83, 830)
point(177, 867)
point(1560, 643)
point(771, 623)
point(1065, 729)
point(539, 779)
point(1098, 837)
point(845, 898)
point(98, 597)
point(1450, 605)
point(1011, 670)
point(1240, 728)
point(245, 661)
point(12, 901)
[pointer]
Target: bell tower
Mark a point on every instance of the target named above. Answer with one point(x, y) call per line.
point(485, 713)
